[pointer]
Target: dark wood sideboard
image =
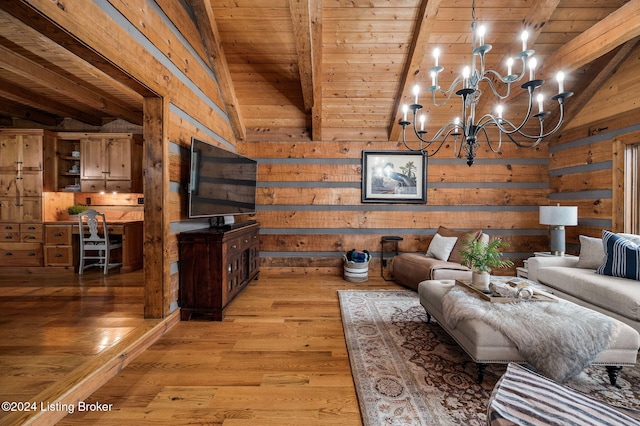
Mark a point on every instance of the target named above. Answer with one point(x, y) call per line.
point(215, 266)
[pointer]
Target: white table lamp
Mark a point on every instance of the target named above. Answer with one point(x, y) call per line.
point(558, 217)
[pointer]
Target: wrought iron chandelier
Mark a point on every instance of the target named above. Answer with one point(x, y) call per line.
point(468, 131)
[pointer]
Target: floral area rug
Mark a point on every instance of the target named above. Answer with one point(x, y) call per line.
point(410, 372)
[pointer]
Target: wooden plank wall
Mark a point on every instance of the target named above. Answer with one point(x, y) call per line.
point(310, 209)
point(582, 161)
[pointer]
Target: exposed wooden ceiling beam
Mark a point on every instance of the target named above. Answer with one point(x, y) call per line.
point(613, 31)
point(601, 70)
point(608, 34)
point(411, 72)
point(33, 18)
point(301, 20)
point(54, 81)
point(206, 22)
point(315, 16)
point(19, 110)
point(11, 91)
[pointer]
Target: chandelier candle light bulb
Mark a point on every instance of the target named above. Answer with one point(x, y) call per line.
point(481, 31)
point(532, 68)
point(540, 102)
point(466, 72)
point(475, 126)
point(560, 78)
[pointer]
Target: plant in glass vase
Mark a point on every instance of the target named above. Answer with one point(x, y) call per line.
point(481, 258)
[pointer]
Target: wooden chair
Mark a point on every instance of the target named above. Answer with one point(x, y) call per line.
point(94, 241)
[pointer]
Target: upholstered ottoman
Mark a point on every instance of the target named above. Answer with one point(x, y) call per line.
point(486, 345)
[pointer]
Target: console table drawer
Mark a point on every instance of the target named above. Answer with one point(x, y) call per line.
point(9, 236)
point(21, 254)
point(58, 256)
point(57, 234)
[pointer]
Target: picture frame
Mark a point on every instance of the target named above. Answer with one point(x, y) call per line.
point(394, 177)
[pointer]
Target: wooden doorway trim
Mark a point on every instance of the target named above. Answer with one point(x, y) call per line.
point(156, 216)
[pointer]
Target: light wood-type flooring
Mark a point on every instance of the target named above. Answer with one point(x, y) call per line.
point(278, 358)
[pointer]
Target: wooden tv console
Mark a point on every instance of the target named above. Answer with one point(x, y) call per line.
point(216, 264)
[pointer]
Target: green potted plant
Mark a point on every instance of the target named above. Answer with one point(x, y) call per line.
point(481, 258)
point(75, 210)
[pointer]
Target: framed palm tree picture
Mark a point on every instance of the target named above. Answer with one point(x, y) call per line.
point(394, 177)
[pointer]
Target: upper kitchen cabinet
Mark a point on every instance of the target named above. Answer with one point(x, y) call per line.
point(111, 162)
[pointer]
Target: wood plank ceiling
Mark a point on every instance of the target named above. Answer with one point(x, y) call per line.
point(326, 69)
point(364, 56)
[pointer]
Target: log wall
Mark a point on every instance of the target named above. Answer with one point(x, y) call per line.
point(583, 162)
point(158, 44)
point(310, 209)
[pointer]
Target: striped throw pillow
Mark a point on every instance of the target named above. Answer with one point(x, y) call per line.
point(522, 397)
point(622, 257)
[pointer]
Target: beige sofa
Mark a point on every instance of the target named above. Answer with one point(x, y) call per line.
point(410, 269)
point(575, 279)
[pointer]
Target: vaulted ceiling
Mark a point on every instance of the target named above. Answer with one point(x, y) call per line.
point(330, 69)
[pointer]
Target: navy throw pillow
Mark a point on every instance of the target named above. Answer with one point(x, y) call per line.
point(622, 257)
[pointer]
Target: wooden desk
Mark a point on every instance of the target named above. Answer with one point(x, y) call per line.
point(131, 232)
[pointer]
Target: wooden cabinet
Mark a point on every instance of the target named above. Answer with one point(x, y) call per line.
point(111, 162)
point(22, 158)
point(215, 265)
point(21, 174)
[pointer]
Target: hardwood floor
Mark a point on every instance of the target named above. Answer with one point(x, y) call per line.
point(60, 334)
point(278, 358)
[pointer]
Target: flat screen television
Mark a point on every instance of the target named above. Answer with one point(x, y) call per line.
point(222, 183)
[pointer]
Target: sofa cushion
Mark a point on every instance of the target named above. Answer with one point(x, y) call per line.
point(463, 237)
point(619, 295)
point(440, 247)
point(635, 239)
point(591, 252)
point(622, 257)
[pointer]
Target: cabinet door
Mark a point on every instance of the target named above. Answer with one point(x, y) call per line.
point(30, 185)
point(10, 210)
point(21, 152)
point(118, 159)
point(9, 152)
point(31, 152)
point(31, 210)
point(8, 184)
point(92, 156)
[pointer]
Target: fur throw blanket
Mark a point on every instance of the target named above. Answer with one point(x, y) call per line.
point(557, 339)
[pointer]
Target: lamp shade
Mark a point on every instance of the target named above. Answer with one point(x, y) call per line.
point(558, 215)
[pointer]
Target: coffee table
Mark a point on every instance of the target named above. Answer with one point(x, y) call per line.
point(486, 345)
